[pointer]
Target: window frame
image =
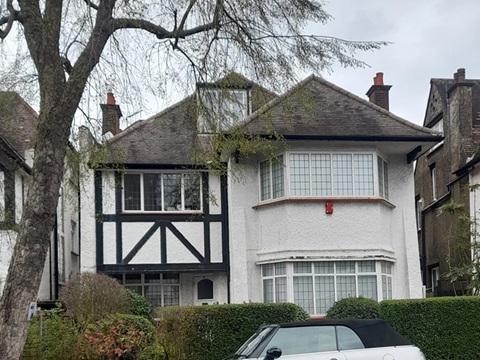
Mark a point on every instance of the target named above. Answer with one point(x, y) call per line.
point(208, 118)
point(433, 178)
point(383, 279)
point(161, 173)
point(280, 161)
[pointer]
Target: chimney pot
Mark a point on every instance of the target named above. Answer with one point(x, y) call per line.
point(110, 98)
point(460, 75)
point(378, 79)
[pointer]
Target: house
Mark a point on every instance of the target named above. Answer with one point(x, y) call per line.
point(17, 138)
point(325, 213)
point(443, 176)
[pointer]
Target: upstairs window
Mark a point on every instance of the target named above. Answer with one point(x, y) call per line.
point(222, 108)
point(433, 175)
point(162, 192)
point(438, 126)
point(272, 179)
point(323, 175)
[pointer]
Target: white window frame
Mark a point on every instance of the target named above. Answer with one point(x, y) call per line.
point(375, 181)
point(381, 278)
point(280, 160)
point(142, 192)
point(218, 117)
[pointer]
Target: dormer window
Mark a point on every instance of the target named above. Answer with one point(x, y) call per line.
point(438, 126)
point(222, 108)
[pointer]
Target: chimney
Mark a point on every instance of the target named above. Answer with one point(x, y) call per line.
point(459, 76)
point(111, 116)
point(378, 93)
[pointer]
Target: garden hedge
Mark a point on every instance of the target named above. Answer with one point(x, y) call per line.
point(215, 331)
point(445, 328)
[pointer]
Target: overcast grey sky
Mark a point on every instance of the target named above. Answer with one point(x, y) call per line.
point(431, 39)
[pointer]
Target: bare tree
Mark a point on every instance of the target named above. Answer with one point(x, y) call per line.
point(66, 41)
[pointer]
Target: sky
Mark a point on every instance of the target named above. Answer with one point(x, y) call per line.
point(430, 39)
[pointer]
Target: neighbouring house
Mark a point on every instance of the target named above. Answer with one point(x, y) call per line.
point(443, 179)
point(328, 212)
point(17, 139)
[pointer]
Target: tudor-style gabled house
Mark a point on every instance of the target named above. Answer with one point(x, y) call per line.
point(444, 174)
point(329, 214)
point(17, 137)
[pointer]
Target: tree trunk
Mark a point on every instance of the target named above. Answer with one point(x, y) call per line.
point(33, 240)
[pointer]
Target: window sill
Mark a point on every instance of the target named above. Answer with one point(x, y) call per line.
point(324, 200)
point(172, 212)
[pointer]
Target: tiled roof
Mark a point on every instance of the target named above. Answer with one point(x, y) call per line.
point(316, 107)
point(17, 122)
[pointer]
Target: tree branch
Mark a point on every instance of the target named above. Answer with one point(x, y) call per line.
point(92, 5)
point(14, 15)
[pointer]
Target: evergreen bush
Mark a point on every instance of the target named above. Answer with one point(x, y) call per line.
point(353, 308)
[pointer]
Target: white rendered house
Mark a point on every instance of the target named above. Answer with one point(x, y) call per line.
point(330, 214)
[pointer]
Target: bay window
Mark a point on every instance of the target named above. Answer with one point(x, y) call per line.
point(162, 192)
point(316, 286)
point(324, 175)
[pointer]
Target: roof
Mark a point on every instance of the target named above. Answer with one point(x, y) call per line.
point(18, 122)
point(372, 332)
point(314, 108)
point(319, 109)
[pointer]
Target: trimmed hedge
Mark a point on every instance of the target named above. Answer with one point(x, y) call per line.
point(443, 328)
point(353, 308)
point(215, 331)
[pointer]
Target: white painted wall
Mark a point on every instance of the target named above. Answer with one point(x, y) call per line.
point(355, 230)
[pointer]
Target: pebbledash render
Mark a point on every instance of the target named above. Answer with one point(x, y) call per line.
point(330, 214)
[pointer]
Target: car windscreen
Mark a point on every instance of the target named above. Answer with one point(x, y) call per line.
point(251, 344)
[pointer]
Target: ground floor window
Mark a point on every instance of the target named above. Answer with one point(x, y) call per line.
point(316, 285)
point(158, 289)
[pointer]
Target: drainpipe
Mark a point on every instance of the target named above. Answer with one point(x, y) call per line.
point(55, 252)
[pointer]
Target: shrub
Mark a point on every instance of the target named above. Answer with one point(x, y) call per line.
point(443, 328)
point(89, 297)
point(215, 331)
point(51, 336)
point(120, 337)
point(354, 308)
point(139, 305)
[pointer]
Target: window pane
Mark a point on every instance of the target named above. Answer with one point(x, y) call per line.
point(172, 192)
point(131, 190)
point(280, 269)
point(345, 267)
point(153, 294)
point(324, 293)
point(265, 190)
point(205, 289)
point(381, 193)
point(346, 287)
point(366, 266)
point(367, 286)
point(281, 289)
point(347, 339)
point(324, 267)
point(321, 174)
point(133, 279)
point(384, 287)
point(303, 292)
point(171, 295)
point(385, 177)
point(152, 192)
point(386, 267)
point(278, 177)
point(152, 278)
point(363, 167)
point(171, 278)
point(342, 174)
point(267, 269)
point(268, 290)
point(302, 267)
point(192, 191)
point(299, 175)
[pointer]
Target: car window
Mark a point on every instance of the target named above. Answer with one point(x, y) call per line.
point(347, 339)
point(252, 343)
point(304, 339)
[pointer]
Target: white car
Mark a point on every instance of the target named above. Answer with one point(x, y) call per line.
point(328, 340)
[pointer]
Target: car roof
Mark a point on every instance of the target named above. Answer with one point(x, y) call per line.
point(372, 332)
